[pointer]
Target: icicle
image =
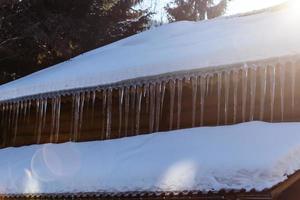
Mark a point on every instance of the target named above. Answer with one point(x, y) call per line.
point(163, 92)
point(121, 98)
point(57, 123)
point(158, 104)
point(293, 84)
point(152, 108)
point(126, 110)
point(76, 116)
point(132, 109)
point(219, 74)
point(172, 100)
point(16, 122)
point(235, 94)
point(227, 88)
point(104, 111)
point(40, 120)
point(194, 99)
point(282, 89)
point(252, 92)
point(138, 110)
point(272, 91)
point(25, 111)
point(53, 118)
point(202, 82)
point(93, 105)
point(147, 96)
point(179, 102)
point(81, 111)
point(45, 113)
point(109, 113)
point(263, 88)
point(207, 82)
point(244, 91)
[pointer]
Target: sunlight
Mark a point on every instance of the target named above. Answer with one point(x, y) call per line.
point(294, 7)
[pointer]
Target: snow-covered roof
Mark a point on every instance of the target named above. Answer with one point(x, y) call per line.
point(170, 48)
point(253, 155)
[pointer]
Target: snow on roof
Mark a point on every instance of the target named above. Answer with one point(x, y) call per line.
point(253, 155)
point(170, 48)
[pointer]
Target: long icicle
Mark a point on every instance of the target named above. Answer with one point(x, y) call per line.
point(235, 81)
point(219, 91)
point(244, 91)
point(172, 100)
point(132, 109)
point(127, 98)
point(121, 98)
point(263, 89)
point(104, 111)
point(138, 109)
point(158, 104)
point(194, 81)
point(293, 84)
point(272, 91)
point(152, 108)
point(57, 124)
point(109, 114)
point(203, 88)
point(226, 90)
point(179, 102)
point(282, 89)
point(252, 92)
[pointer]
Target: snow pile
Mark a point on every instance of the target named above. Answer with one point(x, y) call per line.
point(250, 155)
point(170, 48)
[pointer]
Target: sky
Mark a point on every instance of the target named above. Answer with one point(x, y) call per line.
point(234, 7)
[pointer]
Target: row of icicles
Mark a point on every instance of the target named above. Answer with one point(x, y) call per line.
point(153, 97)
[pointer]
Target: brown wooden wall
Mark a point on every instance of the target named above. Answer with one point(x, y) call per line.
point(20, 127)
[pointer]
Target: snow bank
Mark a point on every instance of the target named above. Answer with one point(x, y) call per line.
point(250, 155)
point(170, 48)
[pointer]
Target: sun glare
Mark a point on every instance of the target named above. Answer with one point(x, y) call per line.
point(294, 7)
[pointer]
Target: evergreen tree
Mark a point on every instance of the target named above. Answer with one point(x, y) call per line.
point(195, 10)
point(37, 33)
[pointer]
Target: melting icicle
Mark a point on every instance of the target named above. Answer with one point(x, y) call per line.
point(235, 94)
point(152, 108)
point(53, 118)
point(158, 104)
point(202, 82)
point(293, 84)
point(172, 100)
point(272, 91)
point(76, 116)
point(227, 88)
point(138, 110)
point(252, 92)
point(132, 110)
point(81, 110)
point(121, 97)
point(282, 89)
point(244, 91)
point(104, 111)
point(163, 92)
point(109, 113)
point(57, 118)
point(126, 110)
point(263, 88)
point(194, 99)
point(93, 105)
point(179, 101)
point(219, 76)
point(147, 96)
point(16, 122)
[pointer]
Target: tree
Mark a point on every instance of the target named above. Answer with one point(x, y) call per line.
point(195, 10)
point(37, 33)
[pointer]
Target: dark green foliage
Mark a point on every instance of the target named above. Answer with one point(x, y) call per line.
point(195, 10)
point(39, 33)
